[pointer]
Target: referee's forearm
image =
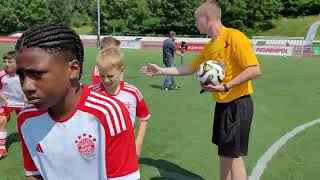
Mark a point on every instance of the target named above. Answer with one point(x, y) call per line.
point(178, 71)
point(248, 74)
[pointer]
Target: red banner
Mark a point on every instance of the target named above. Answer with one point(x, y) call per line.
point(8, 40)
point(157, 45)
point(151, 45)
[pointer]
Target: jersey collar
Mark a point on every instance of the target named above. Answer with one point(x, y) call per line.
point(121, 88)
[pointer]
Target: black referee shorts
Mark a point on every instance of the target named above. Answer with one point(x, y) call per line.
point(231, 127)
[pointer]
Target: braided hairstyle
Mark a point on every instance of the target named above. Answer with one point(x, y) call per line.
point(53, 39)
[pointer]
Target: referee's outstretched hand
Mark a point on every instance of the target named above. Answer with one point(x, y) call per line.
point(151, 70)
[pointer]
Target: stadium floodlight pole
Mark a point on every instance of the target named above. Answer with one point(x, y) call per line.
point(98, 23)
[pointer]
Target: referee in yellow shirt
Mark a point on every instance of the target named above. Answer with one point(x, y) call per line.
point(234, 107)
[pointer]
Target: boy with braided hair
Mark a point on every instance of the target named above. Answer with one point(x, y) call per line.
point(69, 131)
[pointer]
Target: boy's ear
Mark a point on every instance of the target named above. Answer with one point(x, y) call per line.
point(122, 68)
point(74, 68)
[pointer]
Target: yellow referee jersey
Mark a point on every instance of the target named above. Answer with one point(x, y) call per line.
point(234, 49)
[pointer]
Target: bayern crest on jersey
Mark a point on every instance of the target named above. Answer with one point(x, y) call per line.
point(86, 145)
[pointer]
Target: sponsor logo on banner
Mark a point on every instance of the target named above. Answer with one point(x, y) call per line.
point(196, 47)
point(193, 46)
point(273, 50)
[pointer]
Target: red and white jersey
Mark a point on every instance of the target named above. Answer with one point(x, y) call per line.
point(95, 142)
point(10, 87)
point(131, 97)
point(95, 75)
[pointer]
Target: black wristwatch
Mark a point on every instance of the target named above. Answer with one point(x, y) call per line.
point(226, 89)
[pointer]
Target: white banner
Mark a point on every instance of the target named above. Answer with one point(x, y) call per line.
point(312, 33)
point(130, 44)
point(273, 50)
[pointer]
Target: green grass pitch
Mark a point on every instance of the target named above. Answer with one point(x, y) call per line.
point(178, 142)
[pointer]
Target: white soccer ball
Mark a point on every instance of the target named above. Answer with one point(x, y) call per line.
point(210, 72)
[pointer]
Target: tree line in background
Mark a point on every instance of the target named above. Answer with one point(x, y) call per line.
point(148, 17)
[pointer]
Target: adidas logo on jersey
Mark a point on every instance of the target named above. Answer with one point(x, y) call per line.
point(39, 149)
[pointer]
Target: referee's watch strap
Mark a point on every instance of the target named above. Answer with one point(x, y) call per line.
point(226, 89)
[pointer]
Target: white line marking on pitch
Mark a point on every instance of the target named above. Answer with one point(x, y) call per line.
point(257, 171)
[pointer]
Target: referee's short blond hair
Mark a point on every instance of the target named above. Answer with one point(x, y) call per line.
point(209, 8)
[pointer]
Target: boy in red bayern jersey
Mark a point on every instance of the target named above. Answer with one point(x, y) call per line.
point(69, 131)
point(110, 66)
point(11, 95)
point(105, 43)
